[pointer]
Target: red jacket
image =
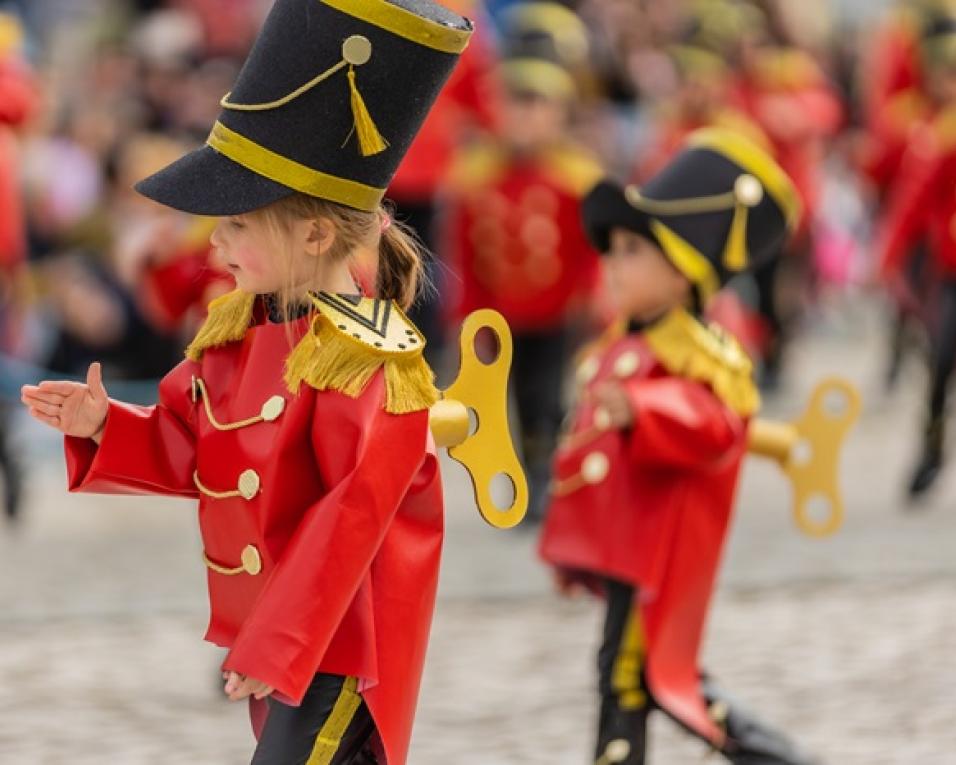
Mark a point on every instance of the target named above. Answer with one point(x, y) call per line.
point(923, 203)
point(513, 231)
point(325, 558)
point(651, 505)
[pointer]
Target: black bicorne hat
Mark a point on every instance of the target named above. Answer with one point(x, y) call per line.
point(327, 104)
point(721, 206)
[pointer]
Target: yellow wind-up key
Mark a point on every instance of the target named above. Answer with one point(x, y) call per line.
point(808, 451)
point(479, 399)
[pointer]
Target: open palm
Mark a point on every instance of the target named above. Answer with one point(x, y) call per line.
point(72, 408)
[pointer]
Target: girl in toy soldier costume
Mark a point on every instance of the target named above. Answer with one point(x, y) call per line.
point(299, 419)
point(645, 479)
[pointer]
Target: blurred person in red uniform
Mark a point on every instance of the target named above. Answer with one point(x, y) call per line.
point(898, 105)
point(467, 108)
point(512, 229)
point(922, 207)
point(300, 418)
point(644, 480)
point(788, 94)
point(19, 99)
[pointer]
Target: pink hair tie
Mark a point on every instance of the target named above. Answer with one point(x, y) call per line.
point(386, 222)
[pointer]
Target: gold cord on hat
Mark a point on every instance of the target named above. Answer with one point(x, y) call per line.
point(746, 193)
point(356, 50)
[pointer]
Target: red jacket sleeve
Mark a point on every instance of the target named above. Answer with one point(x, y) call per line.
point(18, 92)
point(681, 423)
point(144, 450)
point(368, 458)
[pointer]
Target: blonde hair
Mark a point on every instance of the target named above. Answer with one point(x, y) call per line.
point(399, 270)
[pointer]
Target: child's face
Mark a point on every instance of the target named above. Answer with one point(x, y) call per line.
point(640, 279)
point(530, 120)
point(249, 251)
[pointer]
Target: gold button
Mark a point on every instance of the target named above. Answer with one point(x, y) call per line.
point(357, 50)
point(748, 190)
point(248, 484)
point(272, 408)
point(588, 370)
point(627, 364)
point(602, 418)
point(595, 467)
point(251, 561)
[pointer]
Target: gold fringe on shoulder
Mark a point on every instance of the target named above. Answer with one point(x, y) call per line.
point(708, 355)
point(328, 359)
point(228, 319)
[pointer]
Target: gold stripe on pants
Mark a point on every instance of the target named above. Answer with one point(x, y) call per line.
point(330, 736)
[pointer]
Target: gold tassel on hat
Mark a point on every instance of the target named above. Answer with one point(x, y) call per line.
point(748, 192)
point(370, 140)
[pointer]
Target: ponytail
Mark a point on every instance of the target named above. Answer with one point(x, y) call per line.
point(400, 264)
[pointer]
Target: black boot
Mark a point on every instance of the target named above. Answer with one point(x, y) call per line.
point(750, 741)
point(931, 459)
point(622, 734)
point(11, 473)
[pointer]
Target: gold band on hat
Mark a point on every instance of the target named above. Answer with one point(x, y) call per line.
point(538, 76)
point(267, 163)
point(403, 23)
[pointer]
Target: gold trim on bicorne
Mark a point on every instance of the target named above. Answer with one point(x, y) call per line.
point(271, 409)
point(594, 469)
point(330, 736)
point(687, 258)
point(251, 563)
point(248, 486)
point(267, 163)
point(403, 23)
point(756, 162)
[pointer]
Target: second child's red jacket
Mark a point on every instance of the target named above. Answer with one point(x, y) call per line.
point(650, 505)
point(320, 503)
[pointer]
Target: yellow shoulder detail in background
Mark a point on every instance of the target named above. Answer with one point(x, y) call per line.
point(944, 129)
point(227, 321)
point(707, 354)
point(476, 166)
point(574, 169)
point(350, 339)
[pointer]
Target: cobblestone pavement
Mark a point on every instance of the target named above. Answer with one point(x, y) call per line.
point(846, 642)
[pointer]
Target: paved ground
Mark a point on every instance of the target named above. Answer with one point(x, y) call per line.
point(848, 641)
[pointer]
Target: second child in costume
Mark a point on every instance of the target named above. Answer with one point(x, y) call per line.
point(300, 418)
point(644, 480)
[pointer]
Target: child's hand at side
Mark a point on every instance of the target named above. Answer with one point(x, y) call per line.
point(73, 408)
point(612, 398)
point(239, 687)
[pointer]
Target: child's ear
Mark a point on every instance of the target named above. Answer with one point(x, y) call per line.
point(320, 237)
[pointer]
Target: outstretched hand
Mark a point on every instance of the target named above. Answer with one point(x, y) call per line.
point(72, 408)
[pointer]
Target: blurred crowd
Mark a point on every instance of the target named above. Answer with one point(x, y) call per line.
point(550, 96)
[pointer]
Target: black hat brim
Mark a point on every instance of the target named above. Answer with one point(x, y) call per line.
point(605, 207)
point(204, 182)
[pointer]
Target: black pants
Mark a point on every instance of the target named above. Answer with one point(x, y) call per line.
point(626, 701)
point(943, 348)
point(540, 360)
point(332, 726)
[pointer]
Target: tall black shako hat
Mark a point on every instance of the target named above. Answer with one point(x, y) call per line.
point(721, 206)
point(327, 104)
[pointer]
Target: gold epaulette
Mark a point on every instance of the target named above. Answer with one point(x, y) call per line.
point(476, 166)
point(350, 339)
point(707, 354)
point(944, 129)
point(573, 168)
point(227, 320)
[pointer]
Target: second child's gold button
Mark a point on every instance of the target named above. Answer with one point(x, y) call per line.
point(249, 484)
